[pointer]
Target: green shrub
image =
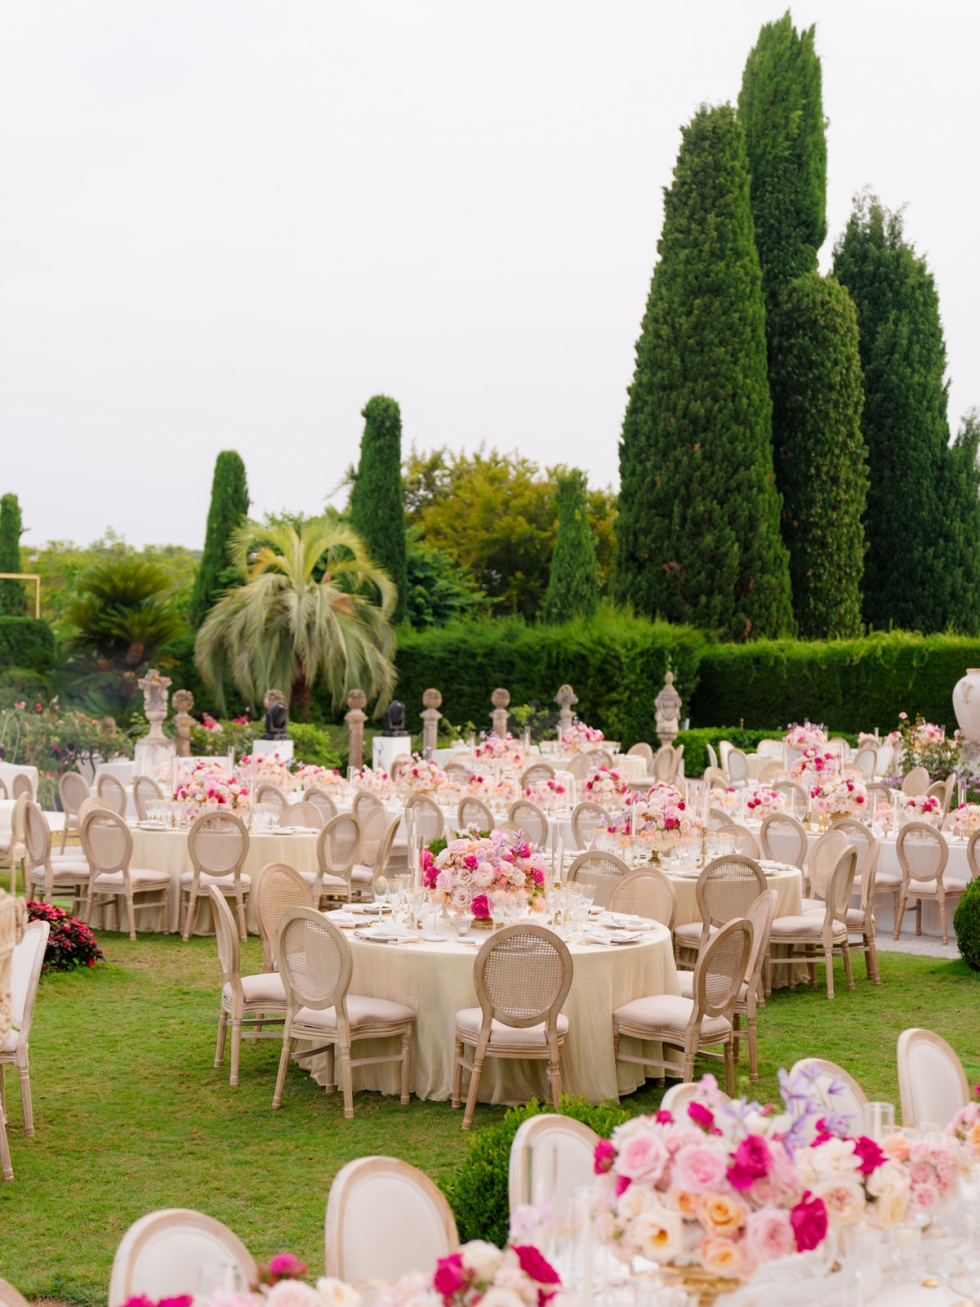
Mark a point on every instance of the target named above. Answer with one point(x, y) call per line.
point(477, 1191)
point(966, 923)
point(615, 663)
point(26, 642)
point(312, 744)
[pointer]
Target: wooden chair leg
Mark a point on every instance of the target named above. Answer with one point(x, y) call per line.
point(347, 1081)
point(729, 1068)
point(27, 1107)
point(828, 958)
point(899, 915)
point(219, 1052)
point(918, 917)
point(406, 1055)
point(330, 1083)
point(457, 1074)
point(236, 1047)
point(475, 1074)
point(942, 918)
point(131, 916)
point(189, 914)
point(6, 1166)
point(873, 959)
point(848, 970)
point(287, 1045)
point(242, 924)
point(166, 909)
point(736, 1031)
point(753, 1049)
point(554, 1080)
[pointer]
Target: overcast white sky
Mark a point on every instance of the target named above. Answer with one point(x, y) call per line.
point(226, 224)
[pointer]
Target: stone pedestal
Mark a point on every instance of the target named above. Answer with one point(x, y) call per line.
point(387, 748)
point(668, 705)
point(155, 753)
point(566, 698)
point(501, 702)
point(355, 719)
point(431, 717)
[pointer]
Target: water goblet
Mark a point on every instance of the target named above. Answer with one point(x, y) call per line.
point(381, 893)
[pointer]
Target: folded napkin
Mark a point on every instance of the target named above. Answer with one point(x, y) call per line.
point(614, 937)
point(629, 922)
point(341, 918)
point(384, 935)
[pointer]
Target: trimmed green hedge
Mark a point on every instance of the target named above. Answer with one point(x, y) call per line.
point(615, 663)
point(846, 684)
point(26, 642)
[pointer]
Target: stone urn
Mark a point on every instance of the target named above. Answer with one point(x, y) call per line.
point(966, 703)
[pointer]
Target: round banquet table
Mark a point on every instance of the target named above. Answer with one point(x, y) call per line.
point(166, 850)
point(786, 881)
point(437, 980)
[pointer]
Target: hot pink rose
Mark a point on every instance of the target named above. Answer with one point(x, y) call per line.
point(809, 1221)
point(698, 1168)
point(448, 1278)
point(752, 1161)
point(602, 1158)
point(701, 1115)
point(535, 1265)
point(642, 1157)
point(870, 1154)
point(480, 907)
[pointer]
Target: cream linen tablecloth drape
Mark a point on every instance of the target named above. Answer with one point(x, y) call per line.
point(437, 980)
point(166, 850)
point(787, 882)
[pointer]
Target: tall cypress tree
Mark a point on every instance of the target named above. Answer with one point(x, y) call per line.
point(821, 465)
point(13, 602)
point(697, 534)
point(922, 522)
point(377, 501)
point(229, 509)
point(573, 585)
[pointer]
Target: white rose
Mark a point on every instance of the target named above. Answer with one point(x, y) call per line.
point(501, 1298)
point(843, 1197)
point(483, 1259)
point(658, 1233)
point(631, 1203)
point(335, 1293)
point(835, 1157)
point(889, 1183)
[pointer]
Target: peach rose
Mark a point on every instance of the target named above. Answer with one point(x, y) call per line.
point(720, 1213)
point(723, 1257)
point(684, 1202)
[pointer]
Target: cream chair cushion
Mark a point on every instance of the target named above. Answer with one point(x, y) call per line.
point(469, 1021)
point(138, 876)
point(223, 882)
point(669, 1012)
point(951, 885)
point(361, 1012)
point(808, 923)
point(689, 935)
point(266, 987)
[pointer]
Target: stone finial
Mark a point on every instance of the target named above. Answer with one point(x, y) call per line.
point(565, 699)
point(355, 720)
point(154, 687)
point(183, 701)
point(431, 717)
point(668, 705)
point(273, 697)
point(501, 701)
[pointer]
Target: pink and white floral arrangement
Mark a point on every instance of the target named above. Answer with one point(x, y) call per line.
point(208, 785)
point(501, 749)
point(549, 795)
point(265, 769)
point(932, 1167)
point(310, 777)
point(420, 776)
point(659, 816)
point(717, 1187)
point(470, 872)
point(724, 799)
point(841, 794)
point(965, 819)
point(280, 1284)
point(920, 807)
point(375, 782)
point(763, 801)
point(606, 787)
point(965, 1128)
point(805, 737)
point(580, 738)
point(814, 762)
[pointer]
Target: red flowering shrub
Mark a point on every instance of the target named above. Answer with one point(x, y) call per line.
point(70, 942)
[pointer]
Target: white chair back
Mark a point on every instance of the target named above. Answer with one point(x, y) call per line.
point(849, 1101)
point(26, 966)
point(932, 1084)
point(771, 749)
point(550, 1158)
point(738, 767)
point(678, 1096)
point(867, 759)
point(384, 1193)
point(9, 1296)
point(163, 1255)
point(916, 782)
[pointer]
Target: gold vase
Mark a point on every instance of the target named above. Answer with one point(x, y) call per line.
point(702, 1286)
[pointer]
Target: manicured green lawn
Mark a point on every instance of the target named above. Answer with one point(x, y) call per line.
point(131, 1114)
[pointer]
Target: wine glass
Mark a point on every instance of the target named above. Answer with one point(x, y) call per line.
point(381, 893)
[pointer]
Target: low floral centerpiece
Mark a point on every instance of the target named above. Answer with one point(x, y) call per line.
point(503, 750)
point(470, 872)
point(965, 1128)
point(208, 785)
point(965, 819)
point(308, 776)
point(815, 762)
point(606, 787)
point(659, 817)
point(580, 738)
point(420, 776)
point(375, 782)
point(549, 795)
point(764, 800)
point(724, 799)
point(805, 737)
point(839, 795)
point(920, 807)
point(714, 1192)
point(265, 769)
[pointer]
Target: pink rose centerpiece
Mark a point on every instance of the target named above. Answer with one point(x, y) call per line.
point(606, 787)
point(965, 819)
point(965, 1128)
point(503, 750)
point(549, 795)
point(208, 785)
point(815, 763)
point(716, 1188)
point(839, 795)
point(763, 801)
point(265, 769)
point(375, 782)
point(517, 1276)
point(724, 799)
point(470, 872)
point(310, 777)
point(580, 738)
point(805, 737)
point(920, 807)
point(660, 817)
point(420, 776)
point(931, 1167)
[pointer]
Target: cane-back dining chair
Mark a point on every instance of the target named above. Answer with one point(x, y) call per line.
point(932, 1085)
point(811, 931)
point(588, 820)
point(642, 750)
point(694, 1024)
point(374, 850)
point(866, 760)
point(269, 793)
point(108, 847)
point(26, 964)
point(218, 846)
point(316, 964)
point(248, 1002)
point(922, 855)
point(73, 790)
point(322, 800)
point(821, 862)
point(9, 1296)
point(22, 785)
point(473, 814)
point(304, 813)
point(277, 888)
point(861, 920)
point(797, 799)
point(336, 856)
point(916, 782)
point(602, 870)
point(373, 1193)
point(13, 842)
point(48, 874)
point(430, 823)
point(662, 763)
point(457, 773)
point(783, 839)
point(578, 766)
point(164, 1255)
point(972, 856)
point(365, 802)
point(725, 890)
point(531, 820)
point(770, 772)
point(522, 976)
point(113, 791)
point(743, 841)
point(538, 771)
point(551, 1156)
point(145, 790)
point(645, 893)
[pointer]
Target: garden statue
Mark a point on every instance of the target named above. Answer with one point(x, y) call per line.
point(431, 717)
point(183, 701)
point(355, 719)
point(276, 716)
point(501, 702)
point(154, 753)
point(394, 719)
point(966, 705)
point(565, 698)
point(668, 704)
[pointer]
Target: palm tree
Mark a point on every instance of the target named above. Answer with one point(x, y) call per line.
point(306, 610)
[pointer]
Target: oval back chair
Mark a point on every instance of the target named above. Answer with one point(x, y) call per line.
point(73, 790)
point(645, 893)
point(531, 820)
point(304, 813)
point(164, 1254)
point(269, 793)
point(922, 855)
point(322, 800)
point(278, 888)
point(108, 847)
point(145, 790)
point(430, 823)
point(337, 848)
point(602, 870)
point(538, 771)
point(217, 843)
point(110, 789)
point(932, 1084)
point(643, 751)
point(587, 819)
point(783, 839)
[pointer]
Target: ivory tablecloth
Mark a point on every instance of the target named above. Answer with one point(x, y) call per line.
point(787, 882)
point(437, 980)
point(166, 850)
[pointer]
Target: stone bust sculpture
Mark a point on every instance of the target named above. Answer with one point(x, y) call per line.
point(276, 716)
point(394, 719)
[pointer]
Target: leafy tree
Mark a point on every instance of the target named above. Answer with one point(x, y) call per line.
point(497, 514)
point(780, 106)
point(284, 629)
point(821, 462)
point(13, 601)
point(698, 527)
point(377, 506)
point(573, 586)
point(438, 590)
point(229, 509)
point(922, 522)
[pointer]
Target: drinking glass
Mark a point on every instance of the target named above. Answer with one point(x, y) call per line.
point(463, 920)
point(381, 893)
point(879, 1119)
